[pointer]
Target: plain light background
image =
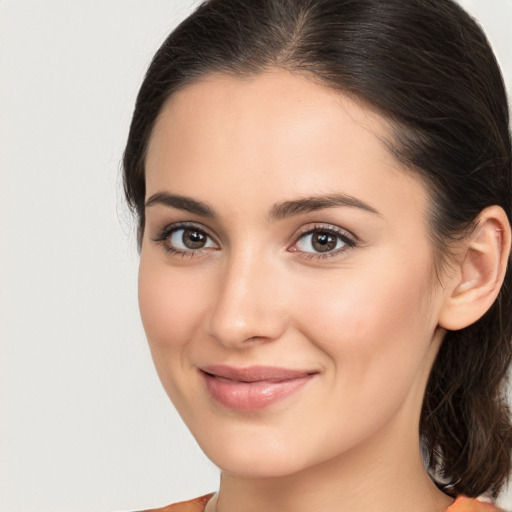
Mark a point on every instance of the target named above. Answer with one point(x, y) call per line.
point(84, 423)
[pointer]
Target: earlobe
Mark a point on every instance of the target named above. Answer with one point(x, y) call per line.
point(480, 271)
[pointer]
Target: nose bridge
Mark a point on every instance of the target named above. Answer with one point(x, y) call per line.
point(247, 306)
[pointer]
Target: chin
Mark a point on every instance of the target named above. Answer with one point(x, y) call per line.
point(256, 459)
point(264, 466)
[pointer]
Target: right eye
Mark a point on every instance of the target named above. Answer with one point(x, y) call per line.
point(185, 240)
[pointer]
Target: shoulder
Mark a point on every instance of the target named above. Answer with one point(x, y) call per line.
point(463, 504)
point(195, 505)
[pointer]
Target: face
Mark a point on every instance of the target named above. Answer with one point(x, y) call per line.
point(286, 284)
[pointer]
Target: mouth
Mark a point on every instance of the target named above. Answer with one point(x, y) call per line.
point(252, 388)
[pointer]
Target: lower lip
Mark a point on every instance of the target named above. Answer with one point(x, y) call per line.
point(251, 396)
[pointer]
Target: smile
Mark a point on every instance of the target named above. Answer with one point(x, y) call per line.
point(252, 388)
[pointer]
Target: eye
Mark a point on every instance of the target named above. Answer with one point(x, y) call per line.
point(321, 241)
point(189, 239)
point(184, 239)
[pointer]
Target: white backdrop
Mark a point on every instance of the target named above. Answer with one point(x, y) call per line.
point(84, 424)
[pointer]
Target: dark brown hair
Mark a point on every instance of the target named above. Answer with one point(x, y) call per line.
point(428, 68)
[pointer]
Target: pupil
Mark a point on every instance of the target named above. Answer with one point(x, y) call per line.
point(324, 242)
point(193, 239)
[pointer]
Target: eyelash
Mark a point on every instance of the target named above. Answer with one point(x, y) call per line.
point(348, 239)
point(163, 236)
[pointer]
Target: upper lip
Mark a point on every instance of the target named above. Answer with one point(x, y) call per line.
point(255, 373)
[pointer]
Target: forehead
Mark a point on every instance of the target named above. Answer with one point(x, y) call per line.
point(230, 135)
point(278, 101)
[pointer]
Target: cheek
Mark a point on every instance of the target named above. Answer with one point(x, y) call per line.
point(372, 324)
point(171, 304)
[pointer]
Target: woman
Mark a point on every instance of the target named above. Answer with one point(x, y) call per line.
point(324, 197)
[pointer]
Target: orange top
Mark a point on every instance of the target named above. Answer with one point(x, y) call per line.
point(196, 505)
point(461, 504)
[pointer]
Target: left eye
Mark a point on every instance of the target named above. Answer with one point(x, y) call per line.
point(321, 241)
point(189, 239)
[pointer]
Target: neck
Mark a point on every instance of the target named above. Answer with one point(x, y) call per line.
point(356, 482)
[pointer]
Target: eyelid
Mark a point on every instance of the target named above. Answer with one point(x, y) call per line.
point(346, 236)
point(164, 233)
point(319, 226)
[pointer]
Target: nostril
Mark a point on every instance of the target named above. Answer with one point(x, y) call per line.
point(254, 338)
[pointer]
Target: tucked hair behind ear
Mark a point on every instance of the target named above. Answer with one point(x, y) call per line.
point(428, 68)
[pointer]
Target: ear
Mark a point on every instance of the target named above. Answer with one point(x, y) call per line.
point(479, 271)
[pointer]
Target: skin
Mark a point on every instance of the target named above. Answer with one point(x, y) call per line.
point(365, 319)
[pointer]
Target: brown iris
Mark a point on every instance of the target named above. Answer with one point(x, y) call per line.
point(193, 239)
point(323, 241)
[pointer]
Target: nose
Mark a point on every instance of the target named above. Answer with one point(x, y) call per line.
point(248, 307)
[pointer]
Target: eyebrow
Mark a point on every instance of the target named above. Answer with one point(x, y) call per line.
point(181, 203)
point(278, 212)
point(314, 203)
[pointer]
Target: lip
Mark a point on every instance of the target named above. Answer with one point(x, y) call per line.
point(252, 388)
